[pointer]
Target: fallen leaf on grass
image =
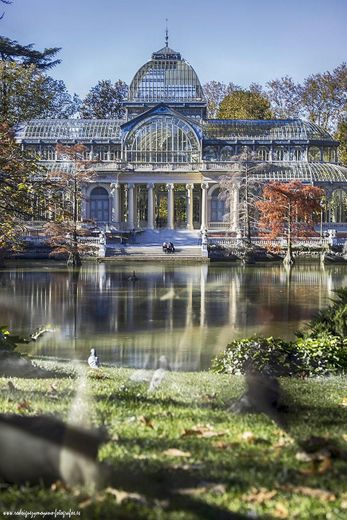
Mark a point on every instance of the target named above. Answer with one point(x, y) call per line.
point(344, 436)
point(173, 452)
point(146, 421)
point(259, 496)
point(248, 437)
point(344, 401)
point(280, 511)
point(308, 491)
point(222, 445)
point(23, 405)
point(283, 441)
point(201, 431)
point(122, 496)
point(316, 468)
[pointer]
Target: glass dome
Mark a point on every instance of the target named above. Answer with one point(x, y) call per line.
point(166, 78)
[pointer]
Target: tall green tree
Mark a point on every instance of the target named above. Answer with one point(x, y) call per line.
point(245, 104)
point(19, 190)
point(104, 101)
point(215, 92)
point(27, 93)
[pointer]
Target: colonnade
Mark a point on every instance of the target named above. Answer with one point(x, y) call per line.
point(123, 204)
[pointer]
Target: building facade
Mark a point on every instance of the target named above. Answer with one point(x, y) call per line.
point(160, 166)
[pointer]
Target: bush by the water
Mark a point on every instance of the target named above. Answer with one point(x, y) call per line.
point(322, 355)
point(261, 355)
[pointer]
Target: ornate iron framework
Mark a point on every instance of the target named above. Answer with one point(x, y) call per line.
point(164, 139)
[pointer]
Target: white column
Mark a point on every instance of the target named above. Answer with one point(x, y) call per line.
point(115, 216)
point(189, 188)
point(135, 206)
point(170, 206)
point(150, 206)
point(204, 187)
point(130, 216)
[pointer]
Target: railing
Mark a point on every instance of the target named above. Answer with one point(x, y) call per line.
point(307, 243)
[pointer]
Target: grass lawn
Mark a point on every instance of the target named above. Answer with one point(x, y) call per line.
point(221, 465)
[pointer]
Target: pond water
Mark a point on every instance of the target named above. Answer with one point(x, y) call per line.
point(187, 313)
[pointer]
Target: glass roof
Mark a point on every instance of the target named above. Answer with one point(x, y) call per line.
point(264, 129)
point(70, 129)
point(166, 78)
point(302, 171)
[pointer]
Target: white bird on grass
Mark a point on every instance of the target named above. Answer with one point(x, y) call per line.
point(93, 360)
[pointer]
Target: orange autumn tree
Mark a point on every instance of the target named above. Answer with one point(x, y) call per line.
point(289, 209)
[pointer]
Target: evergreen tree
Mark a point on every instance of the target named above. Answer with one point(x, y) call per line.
point(11, 50)
point(105, 101)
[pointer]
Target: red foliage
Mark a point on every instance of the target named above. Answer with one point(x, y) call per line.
point(289, 208)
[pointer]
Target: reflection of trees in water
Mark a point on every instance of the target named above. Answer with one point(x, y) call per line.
point(228, 300)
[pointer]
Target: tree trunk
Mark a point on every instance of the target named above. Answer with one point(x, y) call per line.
point(289, 259)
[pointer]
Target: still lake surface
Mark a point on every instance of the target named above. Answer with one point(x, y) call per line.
point(187, 313)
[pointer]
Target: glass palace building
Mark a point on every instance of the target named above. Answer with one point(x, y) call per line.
point(160, 166)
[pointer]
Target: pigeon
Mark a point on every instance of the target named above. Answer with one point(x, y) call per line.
point(41, 448)
point(159, 374)
point(93, 360)
point(263, 395)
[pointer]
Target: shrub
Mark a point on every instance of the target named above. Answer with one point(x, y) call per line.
point(331, 321)
point(271, 356)
point(7, 341)
point(323, 354)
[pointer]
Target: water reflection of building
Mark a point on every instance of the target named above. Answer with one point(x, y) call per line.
point(186, 313)
point(161, 164)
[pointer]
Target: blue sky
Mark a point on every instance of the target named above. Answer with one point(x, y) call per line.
point(226, 40)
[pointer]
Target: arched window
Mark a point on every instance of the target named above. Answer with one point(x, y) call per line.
point(99, 205)
point(314, 154)
point(163, 139)
point(263, 153)
point(297, 154)
point(210, 153)
point(279, 153)
point(338, 206)
point(227, 153)
point(328, 154)
point(48, 153)
point(218, 210)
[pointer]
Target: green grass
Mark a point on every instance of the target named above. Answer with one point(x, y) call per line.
point(256, 476)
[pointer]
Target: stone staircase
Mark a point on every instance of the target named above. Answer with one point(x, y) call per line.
point(147, 246)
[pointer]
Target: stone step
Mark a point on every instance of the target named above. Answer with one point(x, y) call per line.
point(152, 251)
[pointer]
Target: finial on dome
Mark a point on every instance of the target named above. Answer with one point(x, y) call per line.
point(166, 34)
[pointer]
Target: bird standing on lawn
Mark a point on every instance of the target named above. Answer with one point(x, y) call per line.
point(93, 360)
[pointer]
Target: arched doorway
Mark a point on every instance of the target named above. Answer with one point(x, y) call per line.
point(99, 205)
